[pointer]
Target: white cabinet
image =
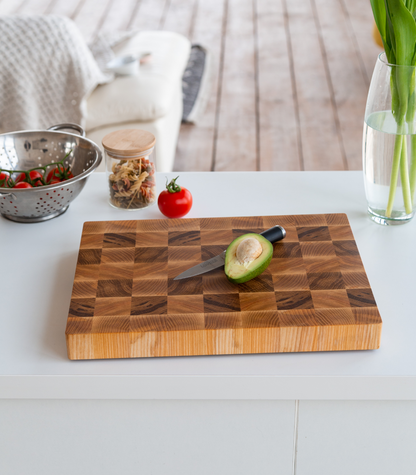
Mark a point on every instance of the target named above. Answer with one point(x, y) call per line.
point(356, 438)
point(90, 437)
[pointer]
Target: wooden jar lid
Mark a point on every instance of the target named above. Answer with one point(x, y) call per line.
point(128, 142)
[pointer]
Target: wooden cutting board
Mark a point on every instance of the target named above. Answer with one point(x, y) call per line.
point(314, 296)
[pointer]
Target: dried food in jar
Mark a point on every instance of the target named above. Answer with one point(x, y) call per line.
point(132, 183)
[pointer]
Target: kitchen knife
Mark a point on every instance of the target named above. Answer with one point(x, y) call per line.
point(274, 234)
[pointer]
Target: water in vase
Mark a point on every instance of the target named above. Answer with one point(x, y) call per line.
point(380, 130)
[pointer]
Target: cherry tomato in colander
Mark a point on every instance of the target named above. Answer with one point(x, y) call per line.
point(34, 177)
point(23, 184)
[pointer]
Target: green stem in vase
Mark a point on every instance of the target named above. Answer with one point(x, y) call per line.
point(404, 177)
point(410, 119)
point(394, 173)
point(412, 174)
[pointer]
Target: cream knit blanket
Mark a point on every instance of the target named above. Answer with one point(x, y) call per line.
point(47, 72)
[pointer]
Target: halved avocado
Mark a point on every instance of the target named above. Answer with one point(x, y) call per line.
point(246, 258)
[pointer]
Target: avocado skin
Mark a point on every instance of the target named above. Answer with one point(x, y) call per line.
point(250, 274)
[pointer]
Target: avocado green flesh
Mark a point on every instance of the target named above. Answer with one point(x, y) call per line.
point(238, 273)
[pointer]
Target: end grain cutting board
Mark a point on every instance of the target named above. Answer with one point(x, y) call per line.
point(314, 296)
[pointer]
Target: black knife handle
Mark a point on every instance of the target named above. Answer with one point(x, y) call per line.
point(274, 234)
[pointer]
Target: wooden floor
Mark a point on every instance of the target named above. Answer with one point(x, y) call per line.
point(290, 77)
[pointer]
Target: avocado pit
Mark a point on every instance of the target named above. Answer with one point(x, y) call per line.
point(248, 250)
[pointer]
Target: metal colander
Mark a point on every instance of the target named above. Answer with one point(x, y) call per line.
point(29, 149)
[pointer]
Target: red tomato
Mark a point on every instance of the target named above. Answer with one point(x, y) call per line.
point(23, 184)
point(51, 175)
point(35, 177)
point(175, 201)
point(60, 173)
point(5, 177)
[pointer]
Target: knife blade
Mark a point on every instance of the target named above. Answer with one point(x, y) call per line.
point(274, 234)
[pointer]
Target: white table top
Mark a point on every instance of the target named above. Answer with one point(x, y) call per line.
point(38, 266)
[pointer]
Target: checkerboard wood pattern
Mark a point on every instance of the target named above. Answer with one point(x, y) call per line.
point(314, 296)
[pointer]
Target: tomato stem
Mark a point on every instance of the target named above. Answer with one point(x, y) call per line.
point(172, 187)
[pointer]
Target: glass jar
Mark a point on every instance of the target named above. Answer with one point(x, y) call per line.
point(130, 168)
point(389, 143)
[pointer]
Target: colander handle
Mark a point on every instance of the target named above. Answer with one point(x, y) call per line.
point(7, 194)
point(75, 127)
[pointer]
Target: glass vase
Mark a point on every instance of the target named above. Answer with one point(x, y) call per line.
point(389, 143)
